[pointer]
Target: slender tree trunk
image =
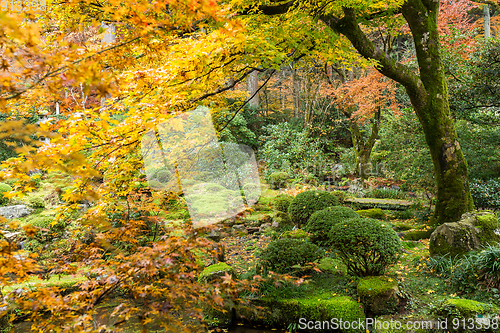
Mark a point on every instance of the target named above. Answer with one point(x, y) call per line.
point(295, 93)
point(487, 29)
point(253, 86)
point(363, 149)
point(429, 96)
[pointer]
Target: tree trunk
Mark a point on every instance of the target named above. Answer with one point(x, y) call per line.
point(429, 97)
point(487, 29)
point(253, 86)
point(296, 93)
point(362, 149)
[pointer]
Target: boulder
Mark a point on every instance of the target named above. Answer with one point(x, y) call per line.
point(379, 295)
point(264, 227)
point(470, 233)
point(282, 220)
point(239, 227)
point(471, 312)
point(16, 211)
point(216, 271)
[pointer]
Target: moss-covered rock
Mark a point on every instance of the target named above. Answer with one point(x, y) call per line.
point(417, 234)
point(379, 295)
point(282, 220)
point(470, 233)
point(216, 271)
point(218, 317)
point(467, 311)
point(374, 213)
point(322, 311)
point(295, 234)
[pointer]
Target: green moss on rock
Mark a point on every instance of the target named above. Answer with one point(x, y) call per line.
point(295, 234)
point(215, 271)
point(379, 294)
point(320, 309)
point(465, 309)
point(470, 233)
point(374, 213)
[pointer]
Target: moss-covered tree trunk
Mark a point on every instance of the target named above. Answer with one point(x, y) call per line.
point(363, 149)
point(429, 95)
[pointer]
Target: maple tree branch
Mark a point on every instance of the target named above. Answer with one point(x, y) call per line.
point(63, 68)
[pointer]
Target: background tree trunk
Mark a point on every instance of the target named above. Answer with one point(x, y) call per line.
point(253, 86)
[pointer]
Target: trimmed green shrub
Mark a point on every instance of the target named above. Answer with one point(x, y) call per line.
point(282, 254)
point(374, 213)
point(4, 188)
point(282, 202)
point(278, 179)
point(306, 203)
point(322, 221)
point(366, 246)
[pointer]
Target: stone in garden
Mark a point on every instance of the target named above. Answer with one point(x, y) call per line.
point(265, 226)
point(215, 236)
point(253, 230)
point(216, 271)
point(379, 295)
point(471, 232)
point(239, 227)
point(468, 311)
point(16, 211)
point(282, 220)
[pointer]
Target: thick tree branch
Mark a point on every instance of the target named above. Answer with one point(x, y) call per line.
point(349, 27)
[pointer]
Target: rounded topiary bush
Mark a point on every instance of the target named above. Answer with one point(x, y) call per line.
point(278, 179)
point(4, 188)
point(306, 203)
point(282, 254)
point(282, 202)
point(366, 246)
point(321, 221)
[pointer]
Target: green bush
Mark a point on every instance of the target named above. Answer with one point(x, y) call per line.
point(4, 188)
point(48, 230)
point(282, 202)
point(36, 201)
point(289, 148)
point(278, 179)
point(282, 254)
point(322, 221)
point(404, 215)
point(306, 203)
point(486, 193)
point(374, 213)
point(367, 246)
